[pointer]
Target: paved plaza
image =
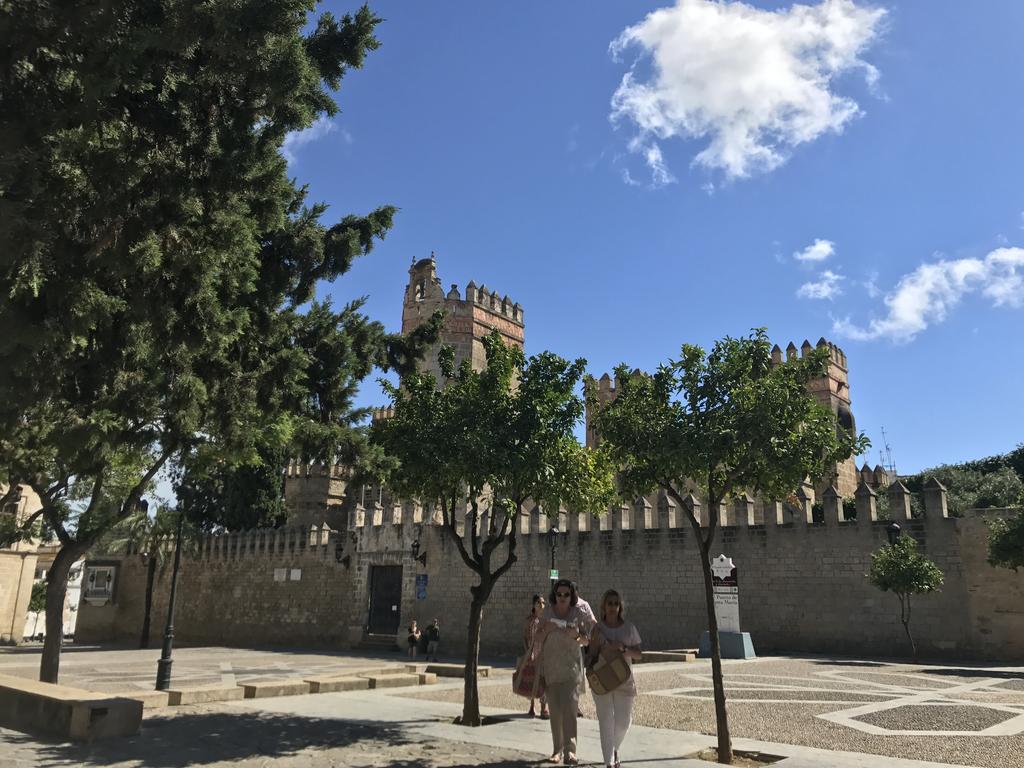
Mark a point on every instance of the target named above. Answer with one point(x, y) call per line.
point(119, 671)
point(866, 713)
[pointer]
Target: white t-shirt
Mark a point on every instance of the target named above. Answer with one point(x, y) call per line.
point(627, 635)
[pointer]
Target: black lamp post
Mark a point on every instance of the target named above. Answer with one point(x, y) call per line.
point(893, 531)
point(553, 536)
point(163, 666)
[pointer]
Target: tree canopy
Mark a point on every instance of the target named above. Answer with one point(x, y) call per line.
point(726, 422)
point(1006, 540)
point(493, 441)
point(156, 255)
point(901, 569)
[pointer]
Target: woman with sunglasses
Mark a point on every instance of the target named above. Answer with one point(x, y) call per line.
point(565, 628)
point(615, 708)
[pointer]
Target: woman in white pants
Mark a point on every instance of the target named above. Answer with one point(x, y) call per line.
point(615, 708)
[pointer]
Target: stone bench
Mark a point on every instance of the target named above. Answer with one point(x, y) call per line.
point(654, 657)
point(262, 689)
point(394, 680)
point(149, 699)
point(204, 693)
point(448, 670)
point(66, 713)
point(328, 684)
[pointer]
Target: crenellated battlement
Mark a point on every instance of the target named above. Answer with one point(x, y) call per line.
point(379, 414)
point(490, 301)
point(836, 354)
point(659, 513)
point(317, 542)
point(301, 469)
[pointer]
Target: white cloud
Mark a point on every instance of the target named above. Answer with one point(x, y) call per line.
point(755, 83)
point(826, 287)
point(927, 295)
point(320, 128)
point(871, 286)
point(819, 250)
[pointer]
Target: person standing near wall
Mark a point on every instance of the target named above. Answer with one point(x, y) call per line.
point(433, 639)
point(414, 639)
point(564, 628)
point(613, 634)
point(529, 635)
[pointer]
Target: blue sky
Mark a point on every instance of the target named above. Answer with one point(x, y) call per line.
point(840, 169)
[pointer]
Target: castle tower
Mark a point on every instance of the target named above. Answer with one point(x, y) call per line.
point(467, 320)
point(833, 391)
point(315, 493)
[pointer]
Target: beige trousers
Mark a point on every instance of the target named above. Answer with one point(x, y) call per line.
point(563, 699)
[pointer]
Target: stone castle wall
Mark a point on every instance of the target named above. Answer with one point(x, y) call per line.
point(802, 584)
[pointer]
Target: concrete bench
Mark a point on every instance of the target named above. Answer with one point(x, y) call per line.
point(66, 713)
point(449, 670)
point(262, 689)
point(204, 693)
point(333, 684)
point(149, 699)
point(654, 657)
point(396, 680)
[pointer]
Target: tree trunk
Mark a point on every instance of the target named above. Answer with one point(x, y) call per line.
point(148, 609)
point(721, 716)
point(471, 695)
point(905, 618)
point(56, 592)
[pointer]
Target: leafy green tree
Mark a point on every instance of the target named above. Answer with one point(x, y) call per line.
point(1006, 540)
point(975, 485)
point(37, 602)
point(341, 349)
point(155, 253)
point(727, 421)
point(899, 568)
point(492, 440)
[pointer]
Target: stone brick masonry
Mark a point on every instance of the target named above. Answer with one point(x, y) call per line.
point(802, 584)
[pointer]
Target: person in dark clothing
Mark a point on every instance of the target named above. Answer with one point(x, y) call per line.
point(433, 638)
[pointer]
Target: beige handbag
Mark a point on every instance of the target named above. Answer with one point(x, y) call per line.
point(609, 671)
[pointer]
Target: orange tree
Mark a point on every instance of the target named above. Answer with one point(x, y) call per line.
point(728, 421)
point(488, 442)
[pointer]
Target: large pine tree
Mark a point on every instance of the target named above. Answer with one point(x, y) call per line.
point(154, 252)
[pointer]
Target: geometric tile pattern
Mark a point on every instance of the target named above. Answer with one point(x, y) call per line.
point(948, 702)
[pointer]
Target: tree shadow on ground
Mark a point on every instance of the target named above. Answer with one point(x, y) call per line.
point(975, 673)
point(179, 740)
point(852, 663)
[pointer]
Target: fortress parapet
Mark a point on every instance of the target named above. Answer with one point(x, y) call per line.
point(467, 320)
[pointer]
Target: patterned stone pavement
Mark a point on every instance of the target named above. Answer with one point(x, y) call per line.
point(126, 670)
point(950, 714)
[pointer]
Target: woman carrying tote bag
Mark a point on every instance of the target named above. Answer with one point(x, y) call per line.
point(614, 644)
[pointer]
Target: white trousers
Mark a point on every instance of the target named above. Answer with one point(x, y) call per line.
point(614, 714)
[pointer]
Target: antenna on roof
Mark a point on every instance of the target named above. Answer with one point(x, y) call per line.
point(885, 456)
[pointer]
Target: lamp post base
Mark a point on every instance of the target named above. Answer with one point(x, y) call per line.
point(163, 674)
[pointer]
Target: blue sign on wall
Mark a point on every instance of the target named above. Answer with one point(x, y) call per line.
point(421, 586)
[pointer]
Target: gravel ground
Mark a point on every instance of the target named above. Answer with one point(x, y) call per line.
point(795, 723)
point(924, 718)
point(214, 736)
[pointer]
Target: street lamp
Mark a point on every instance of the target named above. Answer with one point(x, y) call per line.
point(553, 537)
point(892, 530)
point(163, 666)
